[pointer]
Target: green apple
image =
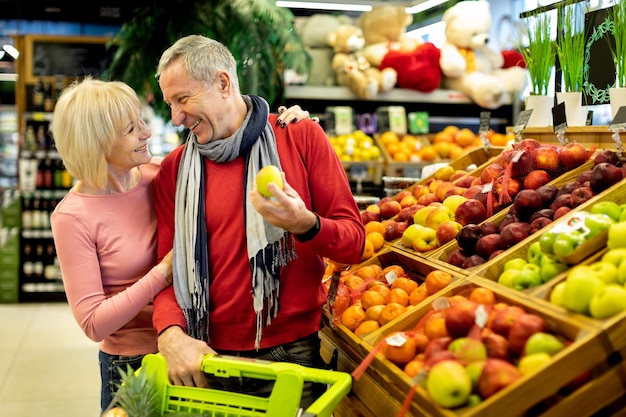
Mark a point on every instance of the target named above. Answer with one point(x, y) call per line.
point(474, 369)
point(621, 273)
point(543, 342)
point(507, 277)
point(614, 256)
point(622, 214)
point(610, 208)
point(437, 216)
point(617, 236)
point(409, 235)
point(266, 175)
point(531, 363)
point(556, 295)
point(449, 384)
point(597, 223)
point(535, 253)
point(606, 271)
point(454, 201)
point(546, 241)
point(608, 301)
point(420, 215)
point(515, 263)
point(580, 286)
point(425, 240)
point(528, 277)
point(551, 267)
point(468, 349)
point(566, 242)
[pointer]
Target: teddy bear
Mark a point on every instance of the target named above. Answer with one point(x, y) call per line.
point(353, 70)
point(387, 46)
point(314, 30)
point(469, 64)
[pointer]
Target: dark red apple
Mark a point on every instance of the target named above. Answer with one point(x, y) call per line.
point(494, 254)
point(460, 318)
point(514, 233)
point(603, 176)
point(488, 227)
point(522, 328)
point(584, 176)
point(523, 164)
point(436, 346)
point(568, 188)
point(508, 219)
point(573, 155)
point(536, 179)
point(486, 245)
point(497, 345)
point(457, 258)
point(560, 201)
point(606, 155)
point(369, 216)
point(496, 374)
point(407, 213)
point(527, 202)
point(394, 230)
point(468, 237)
point(539, 223)
point(473, 261)
point(548, 213)
point(580, 195)
point(560, 212)
point(547, 193)
point(470, 211)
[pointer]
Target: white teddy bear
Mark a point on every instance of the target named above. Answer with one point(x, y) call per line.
point(468, 63)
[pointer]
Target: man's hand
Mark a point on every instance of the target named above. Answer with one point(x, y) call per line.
point(183, 355)
point(285, 209)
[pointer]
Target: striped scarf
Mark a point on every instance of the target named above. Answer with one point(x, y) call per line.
point(269, 248)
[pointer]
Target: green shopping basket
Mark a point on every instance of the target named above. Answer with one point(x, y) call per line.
point(284, 400)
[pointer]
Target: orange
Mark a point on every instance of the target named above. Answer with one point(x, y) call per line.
point(414, 367)
point(352, 281)
point(371, 298)
point(401, 354)
point(442, 148)
point(417, 295)
point(456, 151)
point(406, 283)
point(483, 296)
point(390, 312)
point(401, 156)
point(353, 316)
point(398, 270)
point(367, 272)
point(375, 226)
point(436, 280)
point(373, 313)
point(421, 341)
point(389, 137)
point(398, 295)
point(428, 153)
point(435, 326)
point(382, 290)
point(368, 250)
point(451, 129)
point(377, 239)
point(464, 137)
point(366, 326)
point(443, 137)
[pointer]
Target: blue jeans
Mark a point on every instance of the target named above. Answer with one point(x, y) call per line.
point(305, 352)
point(110, 375)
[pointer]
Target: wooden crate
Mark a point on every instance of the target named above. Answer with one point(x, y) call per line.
point(416, 268)
point(527, 396)
point(589, 136)
point(473, 158)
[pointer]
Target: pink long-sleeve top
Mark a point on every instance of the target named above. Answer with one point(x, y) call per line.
point(106, 245)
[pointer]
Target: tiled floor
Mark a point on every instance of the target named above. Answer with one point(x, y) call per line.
point(48, 367)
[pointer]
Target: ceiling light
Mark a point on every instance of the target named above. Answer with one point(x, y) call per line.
point(11, 50)
point(422, 7)
point(324, 6)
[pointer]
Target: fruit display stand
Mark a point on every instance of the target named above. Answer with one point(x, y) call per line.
point(589, 136)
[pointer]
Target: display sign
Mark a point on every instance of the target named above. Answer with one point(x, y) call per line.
point(598, 67)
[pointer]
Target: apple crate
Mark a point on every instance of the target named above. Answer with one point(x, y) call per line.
point(414, 267)
point(542, 393)
point(443, 253)
point(472, 158)
point(589, 136)
point(364, 171)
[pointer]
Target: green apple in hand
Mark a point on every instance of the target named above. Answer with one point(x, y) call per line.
point(449, 384)
point(551, 267)
point(580, 286)
point(617, 236)
point(606, 271)
point(515, 263)
point(610, 208)
point(608, 301)
point(533, 362)
point(535, 253)
point(543, 342)
point(527, 277)
point(597, 223)
point(266, 175)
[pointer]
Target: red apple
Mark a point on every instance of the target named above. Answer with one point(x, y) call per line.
point(496, 375)
point(522, 328)
point(539, 223)
point(562, 200)
point(527, 202)
point(472, 191)
point(472, 261)
point(494, 254)
point(502, 319)
point(399, 196)
point(603, 176)
point(454, 191)
point(394, 230)
point(606, 155)
point(389, 209)
point(497, 345)
point(560, 212)
point(573, 155)
point(547, 193)
point(580, 195)
point(426, 199)
point(460, 318)
point(407, 213)
point(547, 158)
point(468, 237)
point(536, 179)
point(514, 233)
point(465, 181)
point(486, 245)
point(508, 219)
point(584, 176)
point(447, 231)
point(471, 211)
point(547, 213)
point(436, 346)
point(457, 258)
point(369, 216)
point(488, 227)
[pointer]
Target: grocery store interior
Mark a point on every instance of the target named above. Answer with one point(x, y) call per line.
point(49, 367)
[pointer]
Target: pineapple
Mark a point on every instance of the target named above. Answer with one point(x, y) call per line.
point(137, 395)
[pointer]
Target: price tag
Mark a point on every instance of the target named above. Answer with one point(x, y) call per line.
point(358, 171)
point(559, 120)
point(418, 123)
point(485, 120)
point(412, 172)
point(339, 120)
point(619, 121)
point(521, 123)
point(392, 118)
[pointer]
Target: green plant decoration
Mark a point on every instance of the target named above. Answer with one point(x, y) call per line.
point(540, 52)
point(617, 15)
point(260, 35)
point(570, 47)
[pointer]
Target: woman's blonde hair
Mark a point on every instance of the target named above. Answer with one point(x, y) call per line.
point(87, 118)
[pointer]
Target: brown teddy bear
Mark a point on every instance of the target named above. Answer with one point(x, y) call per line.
point(353, 70)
